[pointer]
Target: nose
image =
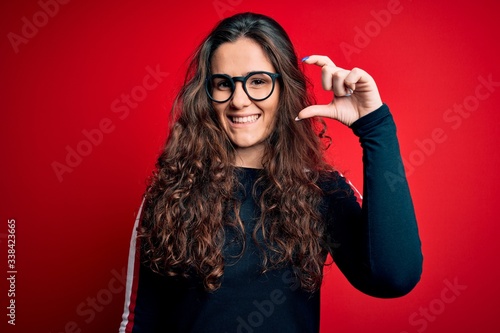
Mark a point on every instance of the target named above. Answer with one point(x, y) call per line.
point(240, 99)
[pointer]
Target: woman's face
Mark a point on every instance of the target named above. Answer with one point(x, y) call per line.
point(247, 122)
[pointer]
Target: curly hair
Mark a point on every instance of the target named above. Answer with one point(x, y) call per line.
point(190, 202)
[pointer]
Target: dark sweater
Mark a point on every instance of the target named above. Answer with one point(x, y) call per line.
point(376, 247)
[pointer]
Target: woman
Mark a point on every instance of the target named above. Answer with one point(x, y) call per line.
point(242, 210)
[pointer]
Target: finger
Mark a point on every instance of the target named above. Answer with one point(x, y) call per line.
point(340, 88)
point(319, 60)
point(316, 111)
point(355, 75)
point(326, 77)
point(332, 77)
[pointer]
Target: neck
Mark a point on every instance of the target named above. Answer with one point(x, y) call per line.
point(250, 157)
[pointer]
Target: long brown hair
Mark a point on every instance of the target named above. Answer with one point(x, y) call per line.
point(190, 202)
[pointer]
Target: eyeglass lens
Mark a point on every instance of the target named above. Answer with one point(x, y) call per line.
point(258, 86)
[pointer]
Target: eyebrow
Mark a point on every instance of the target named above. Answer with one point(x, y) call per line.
point(254, 71)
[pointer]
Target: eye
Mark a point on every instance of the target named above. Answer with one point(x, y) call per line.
point(224, 84)
point(221, 83)
point(258, 82)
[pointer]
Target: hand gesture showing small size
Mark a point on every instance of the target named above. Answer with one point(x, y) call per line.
point(355, 92)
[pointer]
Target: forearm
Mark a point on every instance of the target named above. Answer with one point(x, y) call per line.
point(381, 252)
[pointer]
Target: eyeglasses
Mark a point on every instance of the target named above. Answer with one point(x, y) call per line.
point(257, 85)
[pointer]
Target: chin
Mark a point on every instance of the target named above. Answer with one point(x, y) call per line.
point(245, 144)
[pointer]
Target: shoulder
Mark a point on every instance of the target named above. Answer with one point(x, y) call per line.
point(334, 185)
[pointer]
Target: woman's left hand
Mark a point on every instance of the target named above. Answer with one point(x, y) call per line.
point(355, 92)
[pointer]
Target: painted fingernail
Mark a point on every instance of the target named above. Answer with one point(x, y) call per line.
point(297, 119)
point(305, 58)
point(349, 92)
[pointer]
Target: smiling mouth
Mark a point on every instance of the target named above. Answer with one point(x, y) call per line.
point(245, 120)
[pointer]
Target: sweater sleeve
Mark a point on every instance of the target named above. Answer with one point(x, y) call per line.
point(377, 246)
point(144, 306)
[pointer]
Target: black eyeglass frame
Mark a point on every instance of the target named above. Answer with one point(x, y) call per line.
point(243, 80)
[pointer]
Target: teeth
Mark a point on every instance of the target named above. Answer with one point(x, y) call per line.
point(243, 120)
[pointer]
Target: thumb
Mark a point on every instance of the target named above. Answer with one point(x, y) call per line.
point(316, 111)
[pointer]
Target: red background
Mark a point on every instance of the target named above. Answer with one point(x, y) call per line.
point(73, 231)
